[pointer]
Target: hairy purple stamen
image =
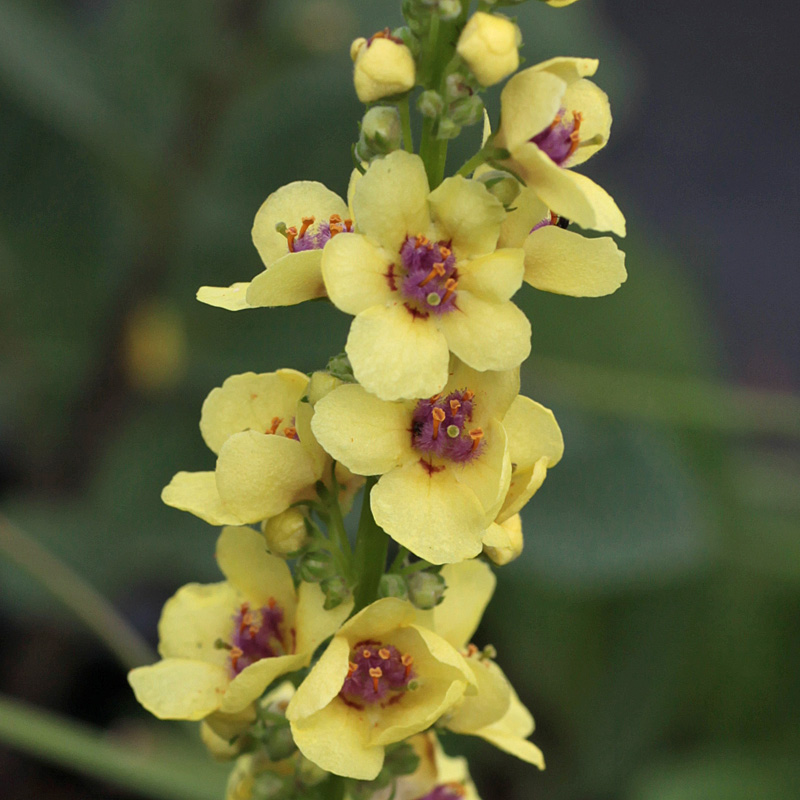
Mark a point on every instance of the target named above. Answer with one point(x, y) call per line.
point(430, 277)
point(446, 791)
point(441, 426)
point(257, 634)
point(378, 673)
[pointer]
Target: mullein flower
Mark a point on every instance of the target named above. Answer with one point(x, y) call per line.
point(382, 678)
point(553, 119)
point(423, 278)
point(489, 44)
point(444, 460)
point(290, 229)
point(222, 644)
point(267, 457)
point(383, 67)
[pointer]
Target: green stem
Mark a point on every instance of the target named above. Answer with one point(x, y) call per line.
point(369, 560)
point(405, 120)
point(469, 166)
point(85, 602)
point(340, 551)
point(402, 552)
point(80, 748)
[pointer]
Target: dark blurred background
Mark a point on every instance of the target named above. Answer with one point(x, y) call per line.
point(652, 622)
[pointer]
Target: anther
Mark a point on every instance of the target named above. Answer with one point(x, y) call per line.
point(291, 235)
point(384, 653)
point(274, 426)
point(436, 269)
point(467, 395)
point(476, 434)
point(351, 668)
point(435, 399)
point(307, 223)
point(337, 227)
point(454, 406)
point(420, 240)
point(366, 653)
point(453, 431)
point(553, 218)
point(407, 660)
point(450, 284)
point(376, 673)
point(438, 418)
point(272, 602)
point(444, 253)
point(290, 432)
point(471, 650)
point(348, 225)
point(236, 654)
point(334, 218)
point(575, 137)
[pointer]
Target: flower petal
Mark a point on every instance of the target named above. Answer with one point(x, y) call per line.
point(196, 492)
point(292, 279)
point(494, 391)
point(524, 485)
point(179, 688)
point(495, 277)
point(568, 68)
point(381, 617)
point(529, 211)
point(250, 402)
point(369, 436)
point(470, 586)
point(488, 705)
point(251, 682)
point(232, 298)
point(397, 355)
point(592, 103)
point(313, 623)
point(532, 433)
point(390, 201)
point(323, 683)
point(487, 336)
point(510, 732)
point(356, 273)
point(258, 476)
point(433, 515)
point(565, 262)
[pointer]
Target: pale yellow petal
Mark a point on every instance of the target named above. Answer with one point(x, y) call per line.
point(390, 201)
point(368, 435)
point(524, 485)
point(521, 748)
point(313, 623)
point(292, 279)
point(567, 68)
point(529, 103)
point(289, 205)
point(356, 273)
point(568, 193)
point(260, 577)
point(485, 335)
point(528, 211)
point(468, 215)
point(258, 476)
point(511, 731)
point(194, 618)
point(494, 391)
point(565, 262)
point(250, 402)
point(592, 103)
point(488, 705)
point(179, 688)
point(379, 618)
point(397, 355)
point(433, 515)
point(323, 683)
point(532, 433)
point(470, 586)
point(232, 298)
point(503, 542)
point(196, 492)
point(495, 277)
point(251, 682)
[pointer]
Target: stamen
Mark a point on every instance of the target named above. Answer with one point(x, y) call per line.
point(274, 426)
point(436, 269)
point(471, 650)
point(575, 137)
point(272, 602)
point(348, 224)
point(384, 653)
point(290, 432)
point(467, 395)
point(307, 223)
point(236, 654)
point(421, 241)
point(407, 661)
point(351, 668)
point(553, 218)
point(291, 235)
point(366, 653)
point(476, 434)
point(438, 418)
point(337, 227)
point(453, 431)
point(334, 218)
point(450, 284)
point(376, 673)
point(454, 406)
point(555, 122)
point(457, 789)
point(444, 252)
point(436, 398)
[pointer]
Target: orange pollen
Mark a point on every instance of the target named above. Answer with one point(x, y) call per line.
point(366, 653)
point(468, 395)
point(450, 284)
point(454, 406)
point(436, 398)
point(476, 434)
point(553, 218)
point(555, 122)
point(575, 137)
point(376, 673)
point(444, 252)
point(271, 602)
point(438, 418)
point(274, 424)
point(334, 218)
point(437, 269)
point(348, 224)
point(407, 661)
point(291, 235)
point(457, 788)
point(421, 241)
point(290, 432)
point(307, 223)
point(471, 650)
point(337, 227)
point(236, 654)
point(351, 668)
point(384, 654)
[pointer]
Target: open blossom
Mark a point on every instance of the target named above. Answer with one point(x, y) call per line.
point(222, 644)
point(383, 67)
point(290, 229)
point(423, 278)
point(382, 678)
point(489, 44)
point(552, 119)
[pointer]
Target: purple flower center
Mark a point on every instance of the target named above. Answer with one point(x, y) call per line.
point(446, 791)
point(257, 634)
point(378, 674)
point(427, 276)
point(560, 139)
point(440, 426)
point(310, 238)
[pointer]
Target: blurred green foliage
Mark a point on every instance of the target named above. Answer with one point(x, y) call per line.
point(652, 622)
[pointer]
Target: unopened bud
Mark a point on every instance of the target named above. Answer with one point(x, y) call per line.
point(279, 743)
point(448, 129)
point(321, 383)
point(449, 9)
point(489, 44)
point(430, 104)
point(507, 544)
point(336, 591)
point(286, 533)
point(392, 585)
point(314, 566)
point(308, 773)
point(383, 68)
point(401, 759)
point(381, 133)
point(426, 589)
point(268, 786)
point(503, 186)
point(220, 748)
point(467, 111)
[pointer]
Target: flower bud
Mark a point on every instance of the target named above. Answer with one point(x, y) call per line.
point(426, 589)
point(314, 566)
point(449, 9)
point(383, 68)
point(336, 591)
point(278, 742)
point(392, 585)
point(286, 533)
point(269, 786)
point(490, 46)
point(448, 129)
point(467, 111)
point(430, 103)
point(220, 748)
point(512, 547)
point(380, 133)
point(503, 186)
point(308, 773)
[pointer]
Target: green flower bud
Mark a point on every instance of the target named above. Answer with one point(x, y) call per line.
point(426, 589)
point(308, 773)
point(336, 591)
point(449, 9)
point(467, 111)
point(269, 786)
point(278, 742)
point(314, 566)
point(381, 133)
point(503, 186)
point(401, 759)
point(430, 104)
point(392, 585)
point(448, 129)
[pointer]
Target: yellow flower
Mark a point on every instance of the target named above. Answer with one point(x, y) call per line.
point(552, 118)
point(560, 3)
point(382, 679)
point(444, 461)
point(384, 67)
point(493, 712)
point(222, 644)
point(310, 214)
point(504, 541)
point(267, 457)
point(423, 279)
point(489, 44)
